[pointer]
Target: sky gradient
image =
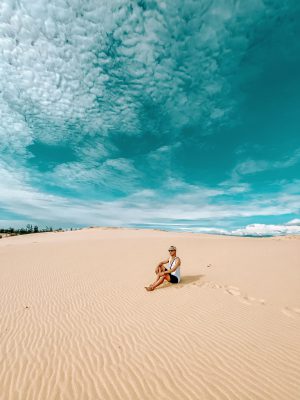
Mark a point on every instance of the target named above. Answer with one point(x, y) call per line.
point(167, 114)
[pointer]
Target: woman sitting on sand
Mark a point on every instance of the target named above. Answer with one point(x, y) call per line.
point(170, 274)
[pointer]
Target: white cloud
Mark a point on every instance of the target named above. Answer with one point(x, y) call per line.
point(100, 66)
point(231, 187)
point(212, 231)
point(93, 151)
point(163, 153)
point(18, 196)
point(191, 194)
point(290, 187)
point(266, 230)
point(119, 173)
point(252, 166)
point(294, 222)
point(85, 70)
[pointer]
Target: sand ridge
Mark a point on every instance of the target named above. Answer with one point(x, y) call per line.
point(76, 322)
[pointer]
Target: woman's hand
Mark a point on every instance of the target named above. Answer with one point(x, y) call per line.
point(158, 268)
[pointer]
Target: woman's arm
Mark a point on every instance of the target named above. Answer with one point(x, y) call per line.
point(164, 262)
point(177, 264)
point(160, 265)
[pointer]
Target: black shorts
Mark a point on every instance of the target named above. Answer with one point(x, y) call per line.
point(173, 278)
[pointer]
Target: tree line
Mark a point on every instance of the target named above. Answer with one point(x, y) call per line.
point(28, 229)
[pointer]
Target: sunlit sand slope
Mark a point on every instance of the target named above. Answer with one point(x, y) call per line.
point(77, 323)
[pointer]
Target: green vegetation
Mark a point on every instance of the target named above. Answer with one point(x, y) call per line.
point(29, 229)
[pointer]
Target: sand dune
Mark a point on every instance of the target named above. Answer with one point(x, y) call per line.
point(76, 322)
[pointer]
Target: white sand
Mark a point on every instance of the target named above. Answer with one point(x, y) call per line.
point(229, 331)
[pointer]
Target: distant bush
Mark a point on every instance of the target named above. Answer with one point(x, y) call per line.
point(29, 229)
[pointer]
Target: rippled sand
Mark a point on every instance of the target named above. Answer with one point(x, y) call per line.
point(77, 323)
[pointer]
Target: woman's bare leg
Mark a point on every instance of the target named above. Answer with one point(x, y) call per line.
point(158, 276)
point(158, 282)
point(158, 271)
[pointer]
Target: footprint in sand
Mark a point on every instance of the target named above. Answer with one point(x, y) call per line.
point(217, 286)
point(197, 284)
point(211, 285)
point(178, 286)
point(243, 298)
point(234, 291)
point(291, 312)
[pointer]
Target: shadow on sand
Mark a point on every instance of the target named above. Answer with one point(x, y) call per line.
point(185, 280)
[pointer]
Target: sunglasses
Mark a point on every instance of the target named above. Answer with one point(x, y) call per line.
point(171, 250)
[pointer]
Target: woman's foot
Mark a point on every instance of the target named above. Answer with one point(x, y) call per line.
point(149, 288)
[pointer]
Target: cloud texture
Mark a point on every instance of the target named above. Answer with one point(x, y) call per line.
point(143, 95)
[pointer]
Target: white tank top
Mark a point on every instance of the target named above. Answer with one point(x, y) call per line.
point(177, 271)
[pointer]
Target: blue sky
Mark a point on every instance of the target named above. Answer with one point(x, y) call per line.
point(170, 114)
